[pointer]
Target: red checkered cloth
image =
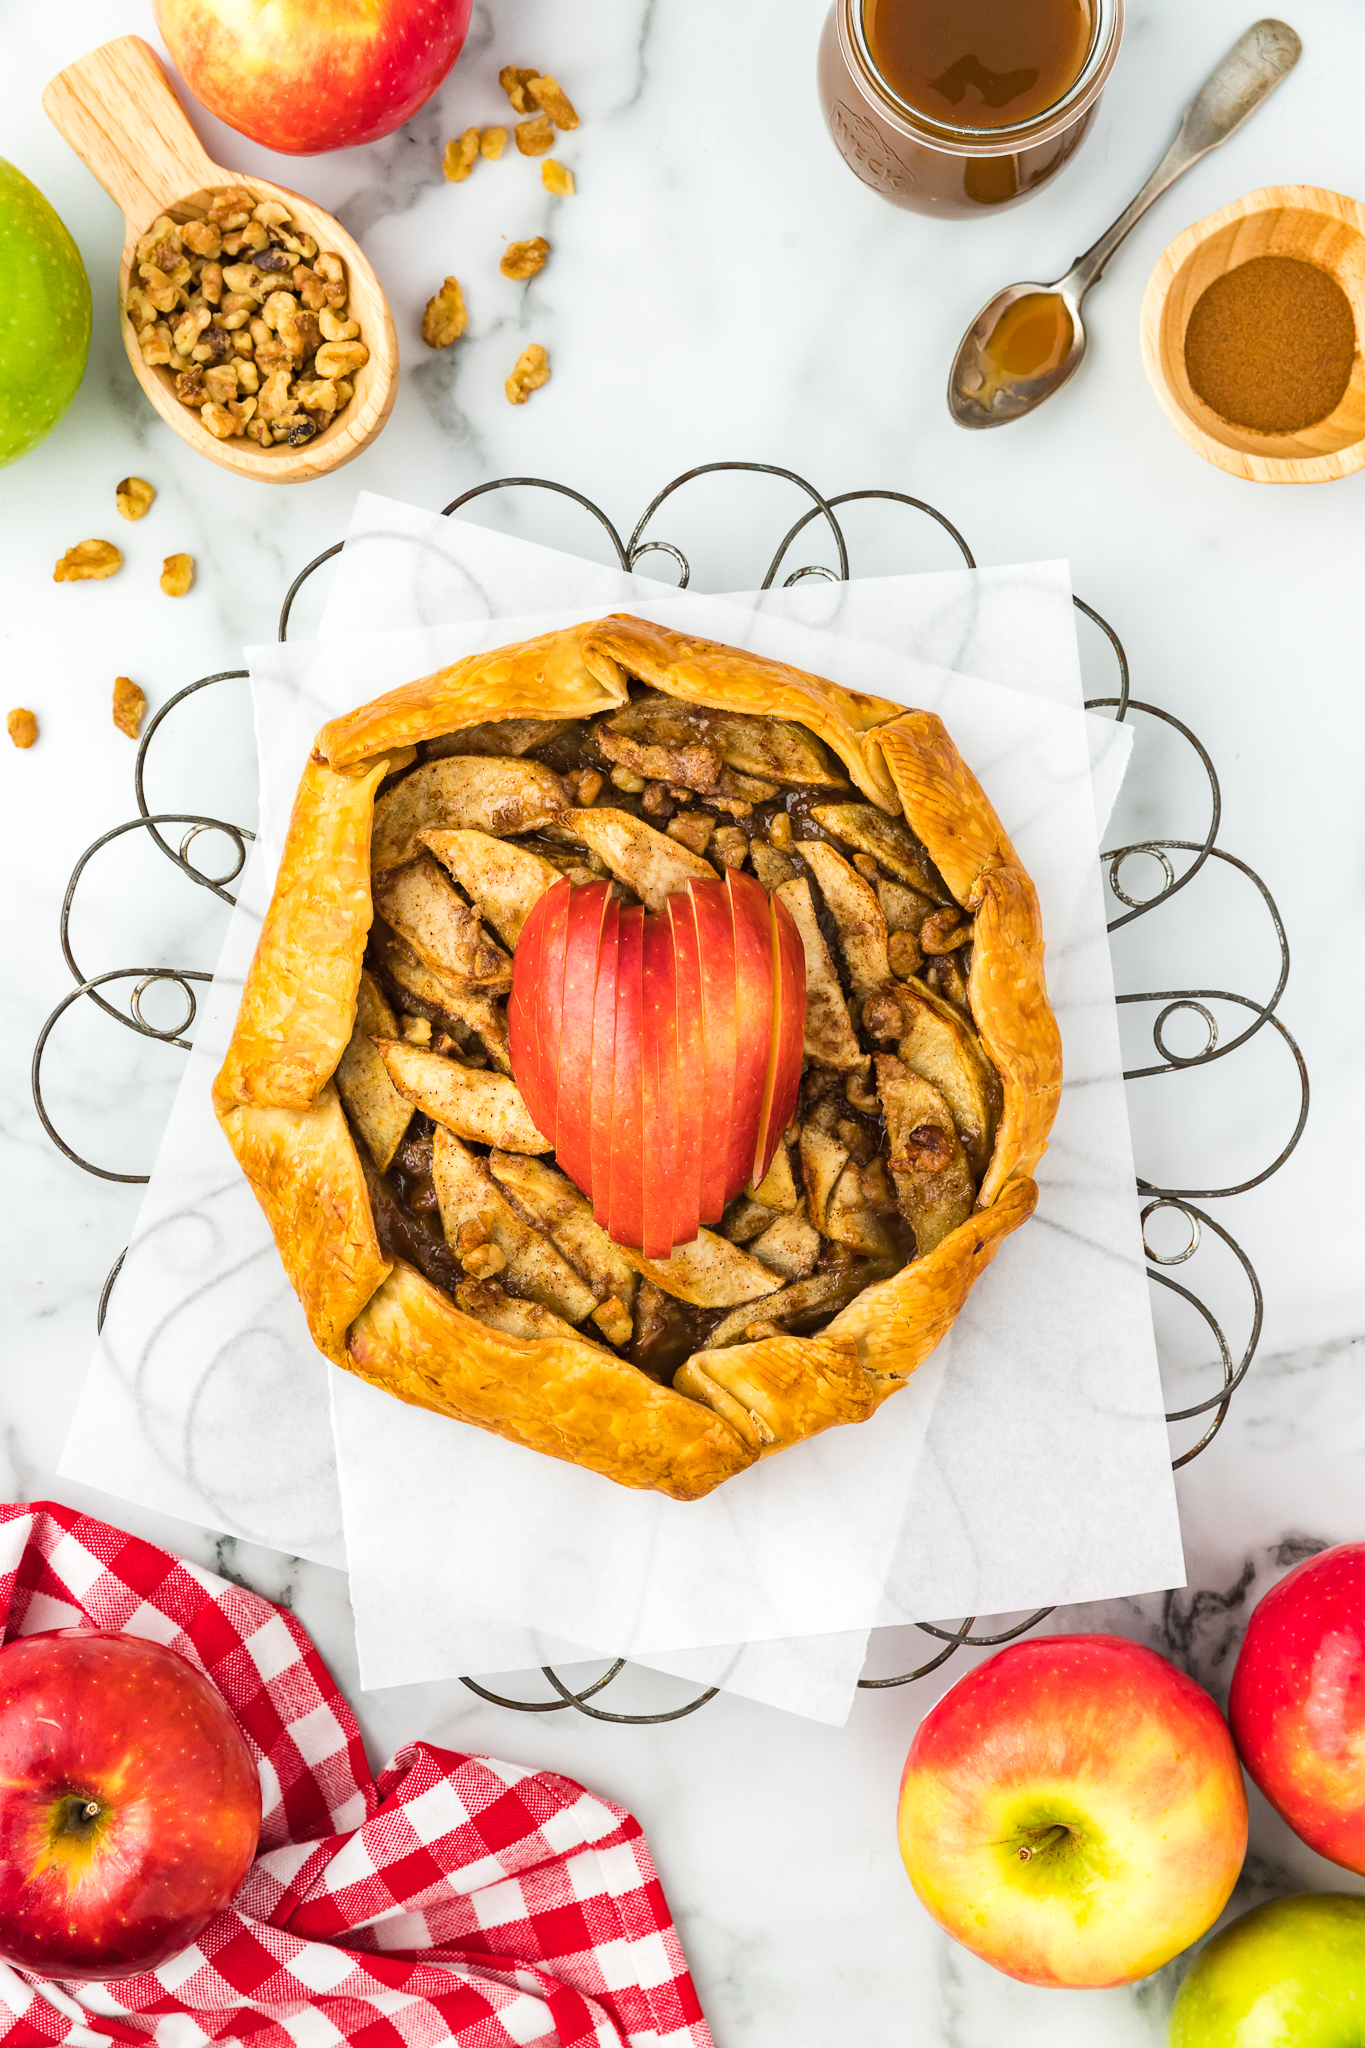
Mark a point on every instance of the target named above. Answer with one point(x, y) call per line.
point(452, 1899)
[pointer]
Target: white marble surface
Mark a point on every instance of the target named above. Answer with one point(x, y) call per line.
point(722, 286)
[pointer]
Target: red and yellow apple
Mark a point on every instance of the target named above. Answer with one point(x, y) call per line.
point(129, 1804)
point(1073, 1812)
point(1298, 1702)
point(659, 1051)
point(303, 76)
point(1289, 1974)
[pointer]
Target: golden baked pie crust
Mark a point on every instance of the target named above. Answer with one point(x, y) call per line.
point(565, 1396)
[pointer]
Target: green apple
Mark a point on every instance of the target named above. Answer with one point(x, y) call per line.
point(1290, 1974)
point(44, 316)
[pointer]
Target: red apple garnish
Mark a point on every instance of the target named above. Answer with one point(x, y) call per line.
point(752, 923)
point(659, 1088)
point(129, 1804)
point(789, 1035)
point(573, 1124)
point(661, 1051)
point(716, 950)
point(625, 1195)
point(602, 1055)
point(691, 1070)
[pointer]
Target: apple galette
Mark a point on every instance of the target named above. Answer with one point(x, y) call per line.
point(646, 1049)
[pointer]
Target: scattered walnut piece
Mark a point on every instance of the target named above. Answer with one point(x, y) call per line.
point(943, 931)
point(694, 829)
point(524, 259)
point(514, 81)
point(612, 1318)
point(550, 96)
point(534, 138)
point(460, 154)
point(532, 370)
point(89, 561)
point(903, 951)
point(557, 178)
point(445, 319)
point(780, 831)
point(730, 846)
point(492, 143)
point(133, 497)
point(129, 704)
point(177, 574)
point(22, 727)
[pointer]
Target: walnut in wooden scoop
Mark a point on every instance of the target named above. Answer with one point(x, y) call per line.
point(117, 110)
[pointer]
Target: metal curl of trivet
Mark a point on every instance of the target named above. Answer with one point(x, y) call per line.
point(1175, 878)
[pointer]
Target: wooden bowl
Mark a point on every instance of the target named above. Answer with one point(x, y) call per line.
point(1318, 227)
point(117, 110)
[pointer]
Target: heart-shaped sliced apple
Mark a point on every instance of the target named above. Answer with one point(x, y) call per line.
point(661, 1050)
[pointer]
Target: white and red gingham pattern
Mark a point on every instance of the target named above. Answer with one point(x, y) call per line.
point(454, 1899)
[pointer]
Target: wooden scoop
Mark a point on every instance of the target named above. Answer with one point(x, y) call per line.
point(117, 110)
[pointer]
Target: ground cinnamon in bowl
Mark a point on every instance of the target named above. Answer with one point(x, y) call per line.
point(1270, 345)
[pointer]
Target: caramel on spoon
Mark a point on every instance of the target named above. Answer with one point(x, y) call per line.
point(1029, 339)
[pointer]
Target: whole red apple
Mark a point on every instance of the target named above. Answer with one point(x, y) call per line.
point(1298, 1702)
point(129, 1804)
point(1072, 1811)
point(303, 76)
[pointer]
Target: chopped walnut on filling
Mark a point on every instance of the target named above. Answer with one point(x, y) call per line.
point(898, 1104)
point(249, 318)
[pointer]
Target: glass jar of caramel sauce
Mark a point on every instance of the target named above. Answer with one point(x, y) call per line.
point(957, 107)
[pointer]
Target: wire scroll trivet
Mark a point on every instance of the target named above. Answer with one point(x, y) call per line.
point(1182, 1201)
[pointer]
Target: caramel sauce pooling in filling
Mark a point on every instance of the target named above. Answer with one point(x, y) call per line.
point(979, 63)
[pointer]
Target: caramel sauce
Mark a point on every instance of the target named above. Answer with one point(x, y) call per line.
point(979, 63)
point(1030, 339)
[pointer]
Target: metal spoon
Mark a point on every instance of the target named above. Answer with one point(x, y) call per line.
point(985, 387)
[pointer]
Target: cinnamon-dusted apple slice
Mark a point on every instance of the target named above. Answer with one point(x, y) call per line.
point(819, 1295)
point(823, 1158)
point(745, 1219)
point(936, 1044)
point(573, 1099)
point(379, 1113)
point(687, 759)
point(650, 864)
point(888, 840)
point(687, 1189)
point(658, 1087)
point(549, 1200)
point(708, 1273)
point(441, 997)
point(751, 922)
point(790, 1245)
point(934, 1187)
point(851, 1219)
point(464, 793)
point(829, 1036)
point(603, 1063)
point(789, 1039)
point(502, 880)
point(436, 923)
point(716, 953)
point(777, 1189)
point(852, 903)
point(625, 1191)
point(474, 1104)
point(468, 1194)
point(670, 728)
point(499, 736)
point(491, 1304)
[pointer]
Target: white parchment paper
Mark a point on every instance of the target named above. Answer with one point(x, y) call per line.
point(467, 1554)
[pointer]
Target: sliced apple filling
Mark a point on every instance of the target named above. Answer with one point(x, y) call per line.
point(898, 1103)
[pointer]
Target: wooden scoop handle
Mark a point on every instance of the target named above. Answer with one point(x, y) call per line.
point(117, 110)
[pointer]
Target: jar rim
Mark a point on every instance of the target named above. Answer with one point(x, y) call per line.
point(1108, 24)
